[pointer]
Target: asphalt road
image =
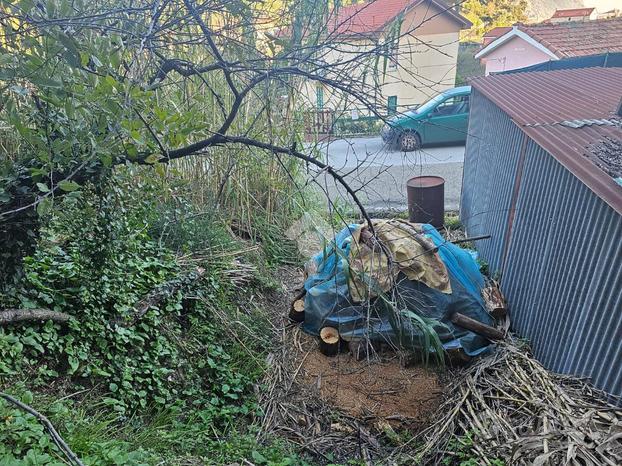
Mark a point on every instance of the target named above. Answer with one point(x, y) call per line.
point(380, 173)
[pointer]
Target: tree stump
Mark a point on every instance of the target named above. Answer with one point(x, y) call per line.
point(329, 341)
point(297, 310)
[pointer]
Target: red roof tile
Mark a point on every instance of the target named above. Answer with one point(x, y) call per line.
point(569, 113)
point(498, 31)
point(575, 39)
point(572, 12)
point(371, 17)
point(491, 35)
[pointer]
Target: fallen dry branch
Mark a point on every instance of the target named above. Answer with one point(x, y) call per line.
point(15, 316)
point(58, 440)
point(517, 411)
point(165, 291)
point(229, 264)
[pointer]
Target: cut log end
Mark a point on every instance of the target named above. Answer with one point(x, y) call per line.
point(297, 311)
point(329, 341)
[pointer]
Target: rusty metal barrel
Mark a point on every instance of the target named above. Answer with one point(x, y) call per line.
point(426, 200)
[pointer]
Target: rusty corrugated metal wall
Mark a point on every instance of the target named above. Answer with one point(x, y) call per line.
point(562, 276)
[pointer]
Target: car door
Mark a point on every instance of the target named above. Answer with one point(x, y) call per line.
point(447, 123)
point(462, 119)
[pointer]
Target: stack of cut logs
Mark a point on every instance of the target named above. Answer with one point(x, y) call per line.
point(330, 342)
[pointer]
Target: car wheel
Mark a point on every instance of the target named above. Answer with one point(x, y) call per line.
point(409, 141)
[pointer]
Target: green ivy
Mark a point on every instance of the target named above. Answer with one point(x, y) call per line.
point(168, 386)
point(94, 262)
point(24, 441)
point(463, 454)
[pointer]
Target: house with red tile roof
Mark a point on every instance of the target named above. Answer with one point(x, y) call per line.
point(494, 34)
point(573, 14)
point(526, 45)
point(413, 45)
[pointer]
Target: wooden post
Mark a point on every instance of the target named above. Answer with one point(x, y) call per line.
point(475, 326)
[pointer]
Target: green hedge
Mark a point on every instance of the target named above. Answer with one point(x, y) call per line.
point(368, 126)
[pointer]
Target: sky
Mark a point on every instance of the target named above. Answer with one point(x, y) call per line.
point(603, 5)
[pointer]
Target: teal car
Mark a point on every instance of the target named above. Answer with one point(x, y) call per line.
point(442, 119)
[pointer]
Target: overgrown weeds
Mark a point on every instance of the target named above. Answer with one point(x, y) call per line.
point(175, 384)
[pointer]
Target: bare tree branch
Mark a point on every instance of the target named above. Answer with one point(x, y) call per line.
point(58, 440)
point(15, 316)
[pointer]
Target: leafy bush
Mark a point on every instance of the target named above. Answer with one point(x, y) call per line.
point(95, 262)
point(363, 126)
point(24, 441)
point(164, 386)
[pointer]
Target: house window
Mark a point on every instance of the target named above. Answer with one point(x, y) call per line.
point(319, 97)
point(392, 104)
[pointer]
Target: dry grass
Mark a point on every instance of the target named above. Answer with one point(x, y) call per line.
point(517, 411)
point(297, 412)
point(512, 408)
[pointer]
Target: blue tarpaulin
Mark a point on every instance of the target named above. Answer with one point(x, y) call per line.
point(328, 301)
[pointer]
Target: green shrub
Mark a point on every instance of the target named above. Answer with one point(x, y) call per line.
point(95, 261)
point(369, 126)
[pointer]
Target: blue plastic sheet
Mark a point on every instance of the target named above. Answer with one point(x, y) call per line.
point(328, 301)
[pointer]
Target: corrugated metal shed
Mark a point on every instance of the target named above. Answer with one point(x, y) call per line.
point(540, 102)
point(536, 179)
point(487, 206)
point(563, 274)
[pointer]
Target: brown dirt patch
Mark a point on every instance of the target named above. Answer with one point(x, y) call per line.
point(379, 389)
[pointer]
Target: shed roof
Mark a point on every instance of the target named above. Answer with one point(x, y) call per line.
point(569, 12)
point(573, 115)
point(568, 39)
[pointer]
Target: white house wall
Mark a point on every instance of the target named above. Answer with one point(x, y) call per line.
point(427, 57)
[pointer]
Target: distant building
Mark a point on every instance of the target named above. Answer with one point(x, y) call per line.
point(573, 14)
point(610, 14)
point(413, 47)
point(543, 178)
point(526, 45)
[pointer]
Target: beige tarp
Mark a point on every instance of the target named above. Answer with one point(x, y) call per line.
point(403, 248)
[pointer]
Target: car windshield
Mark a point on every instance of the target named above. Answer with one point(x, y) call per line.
point(430, 104)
